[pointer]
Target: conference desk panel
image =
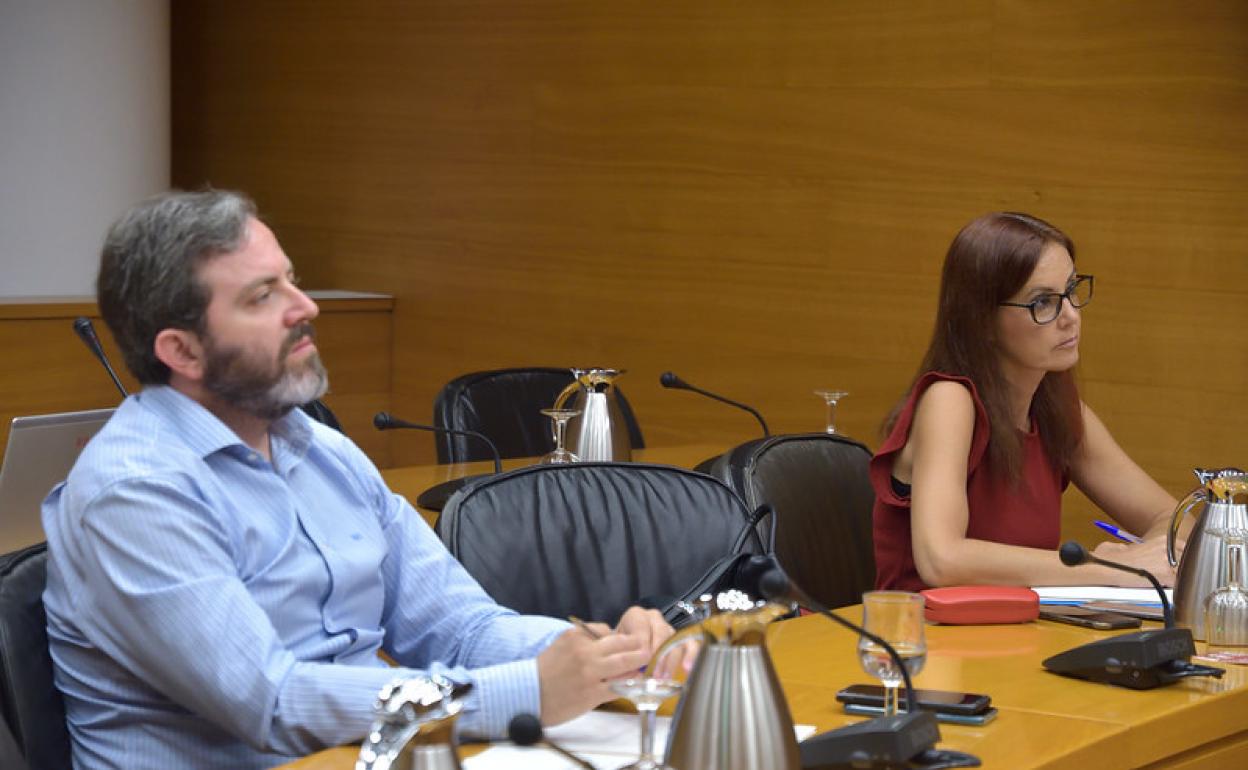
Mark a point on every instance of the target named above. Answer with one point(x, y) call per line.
point(1045, 721)
point(1139, 727)
point(1015, 739)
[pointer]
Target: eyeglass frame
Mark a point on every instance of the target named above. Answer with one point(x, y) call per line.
point(1066, 295)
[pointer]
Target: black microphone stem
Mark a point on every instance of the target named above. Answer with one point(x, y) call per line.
point(86, 332)
point(1166, 610)
point(671, 380)
point(387, 421)
point(526, 730)
point(912, 701)
point(801, 597)
point(1072, 553)
point(750, 409)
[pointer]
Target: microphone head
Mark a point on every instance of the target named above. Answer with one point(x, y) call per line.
point(670, 380)
point(382, 421)
point(1072, 554)
point(82, 325)
point(774, 584)
point(524, 730)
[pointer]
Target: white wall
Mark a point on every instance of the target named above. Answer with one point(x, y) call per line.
point(84, 132)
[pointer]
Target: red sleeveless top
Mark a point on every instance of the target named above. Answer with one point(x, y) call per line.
point(1028, 513)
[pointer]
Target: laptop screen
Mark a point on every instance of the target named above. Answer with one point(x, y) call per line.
point(40, 452)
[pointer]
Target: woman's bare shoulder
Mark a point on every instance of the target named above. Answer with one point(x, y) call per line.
point(946, 401)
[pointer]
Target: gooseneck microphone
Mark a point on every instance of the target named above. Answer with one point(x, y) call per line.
point(1140, 660)
point(86, 332)
point(775, 585)
point(672, 381)
point(902, 740)
point(1074, 554)
point(435, 498)
point(526, 730)
point(387, 421)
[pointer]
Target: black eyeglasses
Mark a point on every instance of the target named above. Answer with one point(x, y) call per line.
point(1047, 307)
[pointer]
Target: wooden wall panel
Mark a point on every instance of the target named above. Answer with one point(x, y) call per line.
point(50, 370)
point(757, 195)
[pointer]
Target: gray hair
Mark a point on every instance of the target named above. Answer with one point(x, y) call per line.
point(148, 269)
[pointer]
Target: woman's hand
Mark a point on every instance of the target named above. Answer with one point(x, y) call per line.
point(1149, 555)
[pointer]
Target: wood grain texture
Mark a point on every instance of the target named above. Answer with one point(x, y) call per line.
point(50, 370)
point(755, 195)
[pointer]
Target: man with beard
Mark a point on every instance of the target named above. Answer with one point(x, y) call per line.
point(223, 571)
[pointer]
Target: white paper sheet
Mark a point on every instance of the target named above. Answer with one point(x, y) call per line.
point(1073, 594)
point(605, 739)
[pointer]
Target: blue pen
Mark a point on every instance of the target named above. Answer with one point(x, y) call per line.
point(1121, 534)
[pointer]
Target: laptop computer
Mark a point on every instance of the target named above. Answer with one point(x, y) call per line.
point(40, 452)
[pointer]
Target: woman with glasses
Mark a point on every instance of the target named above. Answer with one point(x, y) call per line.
point(969, 478)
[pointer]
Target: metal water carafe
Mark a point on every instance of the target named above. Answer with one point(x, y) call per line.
point(1221, 506)
point(414, 726)
point(732, 714)
point(598, 432)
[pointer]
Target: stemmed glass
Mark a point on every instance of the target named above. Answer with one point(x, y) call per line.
point(647, 694)
point(561, 417)
point(1226, 609)
point(897, 618)
point(830, 397)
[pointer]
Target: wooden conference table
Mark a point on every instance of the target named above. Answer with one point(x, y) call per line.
point(1045, 721)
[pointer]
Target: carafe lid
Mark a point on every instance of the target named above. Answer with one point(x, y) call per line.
point(1231, 489)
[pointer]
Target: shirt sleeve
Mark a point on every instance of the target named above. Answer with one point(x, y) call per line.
point(159, 592)
point(436, 611)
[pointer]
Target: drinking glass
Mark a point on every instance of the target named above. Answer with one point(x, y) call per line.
point(897, 618)
point(1226, 609)
point(830, 397)
point(647, 694)
point(561, 417)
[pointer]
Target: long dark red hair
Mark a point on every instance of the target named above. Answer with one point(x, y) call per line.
point(988, 262)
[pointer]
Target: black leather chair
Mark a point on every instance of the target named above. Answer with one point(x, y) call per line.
point(505, 405)
point(817, 484)
point(29, 701)
point(318, 411)
point(591, 539)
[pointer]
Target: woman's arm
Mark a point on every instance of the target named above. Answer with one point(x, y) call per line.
point(1122, 489)
point(935, 458)
point(1116, 484)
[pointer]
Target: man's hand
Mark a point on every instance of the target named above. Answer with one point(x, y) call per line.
point(648, 626)
point(574, 670)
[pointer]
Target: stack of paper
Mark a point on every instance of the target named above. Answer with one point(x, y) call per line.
point(605, 739)
point(1081, 594)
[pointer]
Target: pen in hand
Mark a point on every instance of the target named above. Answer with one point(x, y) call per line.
point(1121, 534)
point(574, 620)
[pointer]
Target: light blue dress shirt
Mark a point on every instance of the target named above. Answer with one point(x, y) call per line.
point(209, 609)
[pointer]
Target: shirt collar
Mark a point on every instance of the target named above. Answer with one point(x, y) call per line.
point(204, 433)
point(289, 438)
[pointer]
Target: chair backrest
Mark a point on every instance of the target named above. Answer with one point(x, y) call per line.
point(29, 701)
point(318, 410)
point(505, 405)
point(591, 539)
point(10, 754)
point(817, 484)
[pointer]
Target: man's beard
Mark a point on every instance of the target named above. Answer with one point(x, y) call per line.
point(265, 391)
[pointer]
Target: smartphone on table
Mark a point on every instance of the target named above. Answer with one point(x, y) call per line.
point(1088, 618)
point(982, 718)
point(939, 701)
